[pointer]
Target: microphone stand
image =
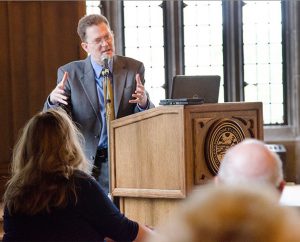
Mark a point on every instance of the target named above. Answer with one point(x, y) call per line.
point(108, 99)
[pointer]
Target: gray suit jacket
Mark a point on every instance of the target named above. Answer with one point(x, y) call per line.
point(83, 103)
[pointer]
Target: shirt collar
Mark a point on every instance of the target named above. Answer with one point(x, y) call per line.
point(98, 68)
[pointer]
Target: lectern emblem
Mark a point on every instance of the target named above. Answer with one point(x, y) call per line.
point(222, 135)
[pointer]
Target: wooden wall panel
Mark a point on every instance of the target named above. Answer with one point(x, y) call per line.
point(60, 33)
point(6, 126)
point(18, 64)
point(36, 38)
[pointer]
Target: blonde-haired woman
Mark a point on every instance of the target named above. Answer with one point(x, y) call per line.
point(51, 197)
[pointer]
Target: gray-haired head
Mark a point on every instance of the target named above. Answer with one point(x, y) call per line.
point(90, 20)
point(251, 161)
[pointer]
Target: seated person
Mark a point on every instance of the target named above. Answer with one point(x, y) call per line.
point(232, 213)
point(251, 161)
point(50, 197)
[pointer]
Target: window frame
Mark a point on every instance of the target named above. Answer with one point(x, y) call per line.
point(233, 77)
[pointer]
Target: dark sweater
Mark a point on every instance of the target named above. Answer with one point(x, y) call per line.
point(92, 218)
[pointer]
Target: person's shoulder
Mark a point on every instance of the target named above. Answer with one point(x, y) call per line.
point(77, 64)
point(81, 175)
point(86, 184)
point(127, 59)
point(83, 179)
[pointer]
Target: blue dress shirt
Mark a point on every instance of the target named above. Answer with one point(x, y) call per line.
point(103, 142)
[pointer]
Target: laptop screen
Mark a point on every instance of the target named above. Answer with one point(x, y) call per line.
point(206, 87)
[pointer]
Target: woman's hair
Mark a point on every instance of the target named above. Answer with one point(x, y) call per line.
point(44, 160)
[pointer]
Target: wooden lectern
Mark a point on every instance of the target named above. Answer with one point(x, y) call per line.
point(159, 155)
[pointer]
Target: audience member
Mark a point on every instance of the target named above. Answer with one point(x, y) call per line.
point(231, 213)
point(80, 90)
point(50, 197)
point(251, 161)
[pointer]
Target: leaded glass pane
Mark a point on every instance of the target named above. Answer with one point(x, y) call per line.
point(144, 40)
point(263, 57)
point(203, 43)
point(92, 7)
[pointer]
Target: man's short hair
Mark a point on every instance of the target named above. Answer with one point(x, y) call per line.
point(87, 21)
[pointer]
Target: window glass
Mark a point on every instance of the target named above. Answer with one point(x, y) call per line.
point(92, 7)
point(263, 57)
point(144, 41)
point(203, 43)
point(261, 30)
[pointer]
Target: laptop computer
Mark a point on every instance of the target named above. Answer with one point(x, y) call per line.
point(188, 90)
point(181, 101)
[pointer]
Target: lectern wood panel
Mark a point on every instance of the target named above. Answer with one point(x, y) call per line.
point(215, 132)
point(144, 155)
point(138, 209)
point(160, 155)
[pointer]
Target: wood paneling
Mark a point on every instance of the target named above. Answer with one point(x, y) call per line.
point(158, 176)
point(36, 38)
point(6, 126)
point(158, 156)
point(138, 209)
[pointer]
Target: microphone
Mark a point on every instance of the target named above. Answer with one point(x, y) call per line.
point(104, 60)
point(107, 82)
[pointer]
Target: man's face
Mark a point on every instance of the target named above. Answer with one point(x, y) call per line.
point(99, 42)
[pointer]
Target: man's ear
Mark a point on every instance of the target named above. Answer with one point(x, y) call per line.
point(281, 186)
point(216, 180)
point(84, 46)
